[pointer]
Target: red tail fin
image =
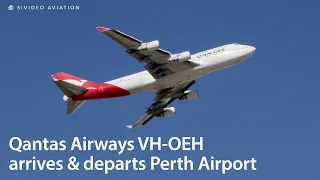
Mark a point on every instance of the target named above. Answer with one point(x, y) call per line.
point(73, 80)
point(72, 85)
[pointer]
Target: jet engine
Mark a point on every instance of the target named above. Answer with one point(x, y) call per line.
point(150, 46)
point(189, 95)
point(182, 57)
point(167, 112)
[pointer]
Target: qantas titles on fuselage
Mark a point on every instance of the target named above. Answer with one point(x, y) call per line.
point(171, 75)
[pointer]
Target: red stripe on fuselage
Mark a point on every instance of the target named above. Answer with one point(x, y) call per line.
point(102, 91)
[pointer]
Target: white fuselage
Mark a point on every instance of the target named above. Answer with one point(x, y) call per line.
point(207, 61)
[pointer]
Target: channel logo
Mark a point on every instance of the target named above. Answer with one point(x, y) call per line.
point(11, 7)
point(44, 7)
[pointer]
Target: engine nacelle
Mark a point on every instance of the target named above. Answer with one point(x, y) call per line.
point(150, 46)
point(189, 95)
point(167, 112)
point(182, 57)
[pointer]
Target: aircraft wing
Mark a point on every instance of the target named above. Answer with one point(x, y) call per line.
point(162, 99)
point(157, 60)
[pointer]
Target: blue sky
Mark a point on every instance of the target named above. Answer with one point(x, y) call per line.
point(266, 107)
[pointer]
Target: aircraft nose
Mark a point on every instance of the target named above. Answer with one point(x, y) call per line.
point(250, 50)
point(253, 49)
point(246, 51)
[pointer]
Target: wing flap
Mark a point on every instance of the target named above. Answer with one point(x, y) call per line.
point(142, 121)
point(161, 103)
point(123, 39)
point(157, 57)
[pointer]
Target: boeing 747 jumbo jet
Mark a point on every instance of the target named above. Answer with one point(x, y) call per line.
point(170, 75)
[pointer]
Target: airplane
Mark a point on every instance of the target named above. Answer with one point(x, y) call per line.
point(170, 75)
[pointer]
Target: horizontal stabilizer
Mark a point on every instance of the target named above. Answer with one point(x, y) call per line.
point(70, 89)
point(74, 105)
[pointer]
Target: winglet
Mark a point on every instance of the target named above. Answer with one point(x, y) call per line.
point(102, 29)
point(130, 126)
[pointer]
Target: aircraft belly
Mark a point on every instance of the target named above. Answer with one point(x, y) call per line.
point(145, 82)
point(177, 78)
point(137, 84)
point(217, 62)
point(132, 85)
